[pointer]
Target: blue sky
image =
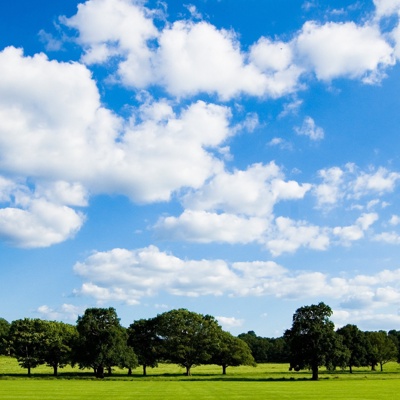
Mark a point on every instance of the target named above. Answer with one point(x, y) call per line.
point(236, 158)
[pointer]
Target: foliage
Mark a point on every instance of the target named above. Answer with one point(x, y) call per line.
point(188, 338)
point(143, 338)
point(231, 351)
point(312, 340)
point(102, 342)
point(59, 339)
point(26, 339)
point(4, 329)
point(355, 340)
point(381, 349)
point(258, 345)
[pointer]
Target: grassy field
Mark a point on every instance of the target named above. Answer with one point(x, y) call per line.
point(266, 381)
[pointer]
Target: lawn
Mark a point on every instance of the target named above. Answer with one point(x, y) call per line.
point(266, 381)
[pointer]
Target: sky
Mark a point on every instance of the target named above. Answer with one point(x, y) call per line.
point(238, 158)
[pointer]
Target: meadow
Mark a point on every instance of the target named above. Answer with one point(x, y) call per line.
point(266, 381)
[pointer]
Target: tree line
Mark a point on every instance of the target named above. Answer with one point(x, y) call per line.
point(99, 342)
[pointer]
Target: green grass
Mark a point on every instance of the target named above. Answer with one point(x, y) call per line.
point(266, 381)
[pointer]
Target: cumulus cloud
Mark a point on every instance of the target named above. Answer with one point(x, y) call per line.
point(290, 235)
point(187, 57)
point(380, 181)
point(336, 50)
point(230, 322)
point(66, 312)
point(356, 232)
point(253, 191)
point(310, 129)
point(130, 275)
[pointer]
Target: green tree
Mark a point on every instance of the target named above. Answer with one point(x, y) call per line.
point(395, 336)
point(312, 340)
point(231, 351)
point(188, 338)
point(59, 339)
point(259, 346)
point(26, 340)
point(354, 339)
point(102, 341)
point(143, 338)
point(278, 351)
point(381, 349)
point(4, 330)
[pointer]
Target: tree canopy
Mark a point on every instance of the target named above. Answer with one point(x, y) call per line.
point(312, 341)
point(188, 338)
point(102, 342)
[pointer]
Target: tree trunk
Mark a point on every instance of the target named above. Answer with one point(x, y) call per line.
point(100, 372)
point(29, 370)
point(188, 372)
point(381, 367)
point(315, 372)
point(129, 371)
point(55, 369)
point(109, 371)
point(224, 370)
point(351, 369)
point(144, 370)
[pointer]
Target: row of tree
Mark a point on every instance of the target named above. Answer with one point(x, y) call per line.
point(188, 339)
point(98, 341)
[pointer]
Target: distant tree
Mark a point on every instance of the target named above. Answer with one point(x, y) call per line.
point(58, 341)
point(259, 346)
point(354, 339)
point(312, 340)
point(4, 330)
point(395, 336)
point(381, 349)
point(26, 340)
point(278, 350)
point(188, 338)
point(231, 351)
point(143, 338)
point(102, 341)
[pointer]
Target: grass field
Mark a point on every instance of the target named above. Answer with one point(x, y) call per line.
point(266, 381)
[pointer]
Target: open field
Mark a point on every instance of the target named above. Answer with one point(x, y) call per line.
point(271, 381)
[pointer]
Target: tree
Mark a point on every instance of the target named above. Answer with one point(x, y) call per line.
point(354, 339)
point(381, 349)
point(259, 346)
point(102, 341)
point(395, 336)
point(4, 330)
point(311, 339)
point(188, 338)
point(26, 341)
point(231, 351)
point(143, 338)
point(59, 339)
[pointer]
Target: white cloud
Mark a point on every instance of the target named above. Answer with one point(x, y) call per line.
point(66, 312)
point(356, 232)
point(252, 192)
point(130, 275)
point(208, 227)
point(336, 50)
point(394, 220)
point(380, 181)
point(386, 8)
point(310, 129)
point(329, 192)
point(115, 28)
point(41, 224)
point(290, 235)
point(230, 322)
